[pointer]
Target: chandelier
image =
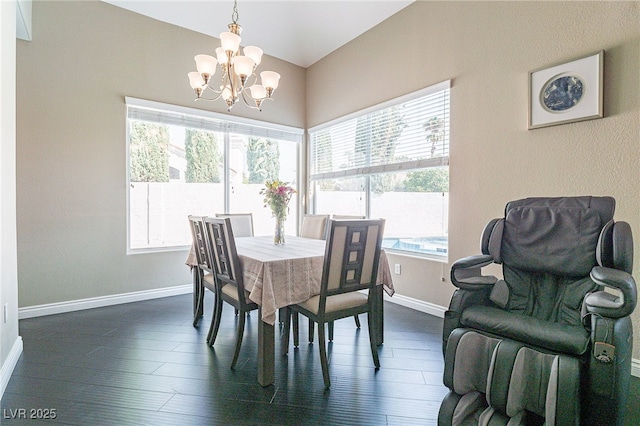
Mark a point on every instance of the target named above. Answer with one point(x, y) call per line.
point(239, 79)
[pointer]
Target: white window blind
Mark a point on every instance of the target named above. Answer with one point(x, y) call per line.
point(411, 132)
point(140, 109)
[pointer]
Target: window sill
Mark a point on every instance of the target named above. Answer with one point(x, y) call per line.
point(416, 255)
point(150, 250)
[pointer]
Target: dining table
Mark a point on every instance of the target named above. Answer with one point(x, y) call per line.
point(277, 276)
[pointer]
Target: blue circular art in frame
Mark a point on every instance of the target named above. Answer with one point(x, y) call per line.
point(562, 92)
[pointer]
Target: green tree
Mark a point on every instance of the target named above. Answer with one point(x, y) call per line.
point(263, 160)
point(376, 138)
point(323, 153)
point(430, 180)
point(434, 128)
point(203, 157)
point(149, 152)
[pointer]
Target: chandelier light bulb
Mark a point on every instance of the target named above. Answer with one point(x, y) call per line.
point(254, 53)
point(222, 56)
point(270, 80)
point(243, 66)
point(195, 80)
point(230, 42)
point(258, 92)
point(226, 94)
point(206, 66)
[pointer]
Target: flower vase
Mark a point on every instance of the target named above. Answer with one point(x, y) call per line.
point(278, 236)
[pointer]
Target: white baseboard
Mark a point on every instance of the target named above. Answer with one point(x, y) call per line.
point(9, 364)
point(635, 367)
point(438, 311)
point(97, 302)
point(416, 304)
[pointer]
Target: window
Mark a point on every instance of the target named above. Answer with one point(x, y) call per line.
point(389, 161)
point(184, 161)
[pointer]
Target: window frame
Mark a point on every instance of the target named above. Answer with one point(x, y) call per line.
point(367, 171)
point(160, 112)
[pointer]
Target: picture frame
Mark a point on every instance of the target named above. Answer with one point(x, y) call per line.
point(566, 93)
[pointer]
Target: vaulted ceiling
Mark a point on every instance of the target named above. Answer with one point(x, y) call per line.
point(301, 32)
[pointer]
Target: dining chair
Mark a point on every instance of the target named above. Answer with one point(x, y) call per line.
point(350, 265)
point(314, 226)
point(203, 275)
point(242, 223)
point(345, 217)
point(229, 281)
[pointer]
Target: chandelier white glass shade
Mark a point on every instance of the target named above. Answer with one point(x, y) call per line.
point(238, 72)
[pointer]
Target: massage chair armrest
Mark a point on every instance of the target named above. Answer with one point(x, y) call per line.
point(474, 289)
point(609, 365)
point(466, 273)
point(608, 304)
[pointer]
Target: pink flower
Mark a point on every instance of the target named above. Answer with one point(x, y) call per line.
point(277, 195)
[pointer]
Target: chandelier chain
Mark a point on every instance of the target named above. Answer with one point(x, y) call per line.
point(235, 16)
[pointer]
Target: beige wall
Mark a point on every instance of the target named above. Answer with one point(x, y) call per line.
point(487, 49)
point(84, 59)
point(10, 343)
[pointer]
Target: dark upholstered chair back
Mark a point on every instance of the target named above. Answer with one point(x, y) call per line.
point(547, 247)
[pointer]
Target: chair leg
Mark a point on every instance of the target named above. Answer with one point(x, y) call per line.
point(311, 327)
point(355, 317)
point(296, 329)
point(372, 340)
point(215, 321)
point(212, 327)
point(198, 296)
point(330, 325)
point(241, 320)
point(322, 344)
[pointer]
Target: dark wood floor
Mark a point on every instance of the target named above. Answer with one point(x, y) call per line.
point(144, 363)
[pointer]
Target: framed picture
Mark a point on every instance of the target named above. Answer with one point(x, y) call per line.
point(566, 93)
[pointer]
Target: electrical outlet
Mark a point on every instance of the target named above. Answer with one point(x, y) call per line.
point(397, 269)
